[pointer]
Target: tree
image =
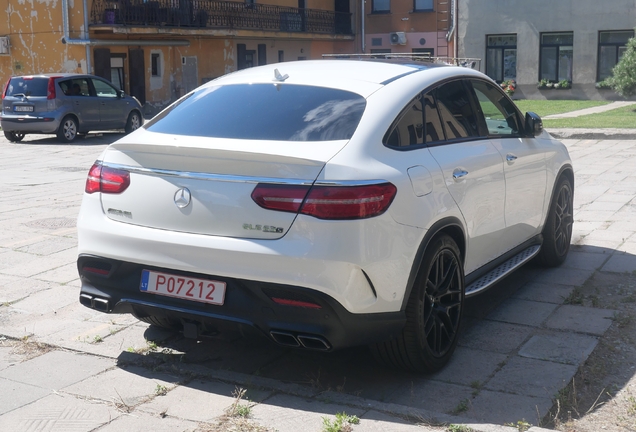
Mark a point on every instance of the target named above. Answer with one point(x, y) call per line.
point(623, 79)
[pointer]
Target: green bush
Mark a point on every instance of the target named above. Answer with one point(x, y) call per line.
point(623, 79)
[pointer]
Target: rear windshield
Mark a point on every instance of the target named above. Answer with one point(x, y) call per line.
point(283, 112)
point(28, 86)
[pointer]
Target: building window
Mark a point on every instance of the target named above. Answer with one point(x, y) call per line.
point(429, 51)
point(556, 56)
point(381, 51)
point(381, 6)
point(422, 5)
point(501, 57)
point(281, 56)
point(117, 72)
point(611, 47)
point(155, 64)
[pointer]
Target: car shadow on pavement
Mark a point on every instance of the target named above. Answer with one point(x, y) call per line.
point(521, 344)
point(93, 138)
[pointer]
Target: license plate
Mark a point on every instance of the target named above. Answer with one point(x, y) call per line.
point(23, 108)
point(183, 287)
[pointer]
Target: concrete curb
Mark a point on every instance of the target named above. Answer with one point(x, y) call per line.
point(594, 134)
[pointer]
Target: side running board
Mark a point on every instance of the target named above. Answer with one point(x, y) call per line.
point(494, 276)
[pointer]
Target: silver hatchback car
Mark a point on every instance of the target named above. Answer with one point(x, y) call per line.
point(66, 105)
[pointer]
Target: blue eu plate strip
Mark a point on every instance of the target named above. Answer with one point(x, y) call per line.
point(145, 274)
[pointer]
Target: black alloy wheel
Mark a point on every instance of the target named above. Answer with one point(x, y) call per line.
point(557, 233)
point(433, 312)
point(14, 136)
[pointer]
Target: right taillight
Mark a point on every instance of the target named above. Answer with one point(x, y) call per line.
point(106, 180)
point(327, 202)
point(50, 91)
point(6, 86)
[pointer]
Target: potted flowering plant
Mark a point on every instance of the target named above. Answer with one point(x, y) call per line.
point(544, 84)
point(563, 85)
point(509, 86)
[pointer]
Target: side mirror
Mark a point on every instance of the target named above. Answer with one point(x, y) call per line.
point(534, 124)
point(121, 94)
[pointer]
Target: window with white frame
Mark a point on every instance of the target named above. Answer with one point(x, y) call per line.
point(556, 55)
point(381, 6)
point(501, 57)
point(611, 47)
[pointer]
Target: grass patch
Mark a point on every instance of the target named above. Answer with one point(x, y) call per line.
point(624, 118)
point(549, 107)
point(342, 423)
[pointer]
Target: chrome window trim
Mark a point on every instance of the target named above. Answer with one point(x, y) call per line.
point(229, 178)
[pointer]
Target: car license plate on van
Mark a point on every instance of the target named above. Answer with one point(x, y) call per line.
point(183, 287)
point(23, 108)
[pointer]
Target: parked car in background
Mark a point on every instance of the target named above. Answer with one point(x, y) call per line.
point(65, 105)
point(325, 204)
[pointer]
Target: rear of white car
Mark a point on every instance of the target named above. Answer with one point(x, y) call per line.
point(270, 200)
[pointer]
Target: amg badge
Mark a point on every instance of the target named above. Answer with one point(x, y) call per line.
point(263, 228)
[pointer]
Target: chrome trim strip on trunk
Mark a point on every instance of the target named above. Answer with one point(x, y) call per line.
point(229, 178)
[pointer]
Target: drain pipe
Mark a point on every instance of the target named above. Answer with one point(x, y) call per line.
point(362, 27)
point(114, 42)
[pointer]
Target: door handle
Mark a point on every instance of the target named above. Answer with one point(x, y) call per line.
point(510, 157)
point(459, 173)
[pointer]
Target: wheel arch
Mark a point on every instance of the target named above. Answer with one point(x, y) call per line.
point(451, 226)
point(566, 170)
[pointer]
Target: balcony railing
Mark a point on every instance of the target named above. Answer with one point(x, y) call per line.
point(218, 14)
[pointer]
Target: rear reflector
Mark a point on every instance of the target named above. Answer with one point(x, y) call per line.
point(106, 180)
point(296, 303)
point(102, 272)
point(327, 202)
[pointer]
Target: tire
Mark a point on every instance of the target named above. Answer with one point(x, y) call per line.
point(433, 313)
point(67, 131)
point(557, 232)
point(134, 122)
point(165, 323)
point(14, 136)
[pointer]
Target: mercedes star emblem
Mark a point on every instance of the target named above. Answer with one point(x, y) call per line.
point(182, 198)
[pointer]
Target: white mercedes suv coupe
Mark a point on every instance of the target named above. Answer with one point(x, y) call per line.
point(325, 204)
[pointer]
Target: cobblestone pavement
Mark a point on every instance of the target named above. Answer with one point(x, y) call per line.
point(64, 364)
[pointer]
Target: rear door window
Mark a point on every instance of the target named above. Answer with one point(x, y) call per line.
point(284, 112)
point(75, 87)
point(28, 86)
point(409, 128)
point(456, 111)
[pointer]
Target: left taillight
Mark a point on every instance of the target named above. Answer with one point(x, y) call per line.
point(106, 180)
point(6, 86)
point(327, 202)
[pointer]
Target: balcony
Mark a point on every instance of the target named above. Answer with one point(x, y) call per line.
point(218, 15)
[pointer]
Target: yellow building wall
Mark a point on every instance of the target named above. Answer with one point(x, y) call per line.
point(35, 35)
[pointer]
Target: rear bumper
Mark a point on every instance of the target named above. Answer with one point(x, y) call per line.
point(248, 305)
point(29, 124)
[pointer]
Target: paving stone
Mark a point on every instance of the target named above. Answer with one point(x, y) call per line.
point(38, 371)
point(432, 396)
point(531, 377)
point(498, 408)
point(581, 319)
point(142, 422)
point(293, 414)
point(14, 395)
point(567, 348)
point(545, 292)
point(374, 421)
point(470, 366)
point(130, 385)
point(47, 246)
point(584, 260)
point(495, 336)
point(57, 412)
point(199, 400)
point(565, 276)
point(47, 300)
point(517, 311)
point(621, 263)
point(18, 288)
point(64, 274)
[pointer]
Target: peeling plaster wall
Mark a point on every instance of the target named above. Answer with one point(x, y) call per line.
point(35, 31)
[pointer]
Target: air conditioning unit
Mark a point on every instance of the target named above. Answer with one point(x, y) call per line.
point(4, 44)
point(398, 38)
